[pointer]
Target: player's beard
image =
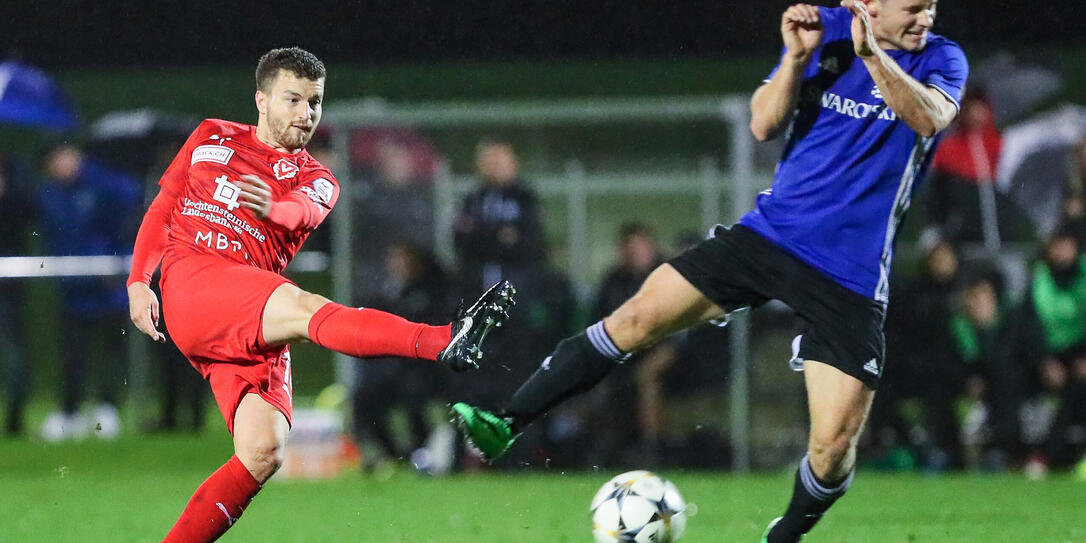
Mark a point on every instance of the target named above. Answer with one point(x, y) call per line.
point(287, 135)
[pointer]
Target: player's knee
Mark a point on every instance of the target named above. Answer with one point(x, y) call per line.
point(262, 458)
point(829, 448)
point(830, 442)
point(293, 303)
point(309, 303)
point(633, 326)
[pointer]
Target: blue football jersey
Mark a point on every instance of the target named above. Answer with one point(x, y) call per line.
point(850, 166)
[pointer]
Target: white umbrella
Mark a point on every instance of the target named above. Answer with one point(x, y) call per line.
point(1036, 161)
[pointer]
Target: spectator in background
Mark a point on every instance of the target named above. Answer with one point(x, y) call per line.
point(964, 166)
point(88, 209)
point(395, 207)
point(498, 231)
point(1073, 216)
point(1073, 207)
point(639, 393)
point(1055, 315)
point(417, 288)
point(919, 341)
point(992, 370)
point(182, 392)
point(182, 398)
point(1076, 184)
point(17, 214)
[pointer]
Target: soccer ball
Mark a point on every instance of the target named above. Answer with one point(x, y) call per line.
point(638, 507)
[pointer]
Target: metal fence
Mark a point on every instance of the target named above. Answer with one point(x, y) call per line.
point(723, 192)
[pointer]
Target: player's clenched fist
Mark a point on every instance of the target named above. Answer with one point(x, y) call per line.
point(256, 195)
point(863, 36)
point(143, 310)
point(801, 28)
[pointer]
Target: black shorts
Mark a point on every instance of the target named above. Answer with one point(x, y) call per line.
point(737, 268)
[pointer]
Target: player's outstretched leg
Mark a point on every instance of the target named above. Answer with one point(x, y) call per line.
point(838, 405)
point(665, 304)
point(292, 314)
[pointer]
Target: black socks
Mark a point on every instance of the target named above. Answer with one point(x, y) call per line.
point(575, 366)
point(811, 497)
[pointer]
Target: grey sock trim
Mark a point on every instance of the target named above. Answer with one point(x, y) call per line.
point(603, 344)
point(816, 489)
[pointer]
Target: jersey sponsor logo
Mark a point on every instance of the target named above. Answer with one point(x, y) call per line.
point(219, 154)
point(227, 193)
point(854, 109)
point(324, 189)
point(284, 169)
point(876, 92)
point(830, 64)
point(221, 241)
point(312, 194)
point(321, 191)
point(215, 214)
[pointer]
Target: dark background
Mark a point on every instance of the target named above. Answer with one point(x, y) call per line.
point(81, 33)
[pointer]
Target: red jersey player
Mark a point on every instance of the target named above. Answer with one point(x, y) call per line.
point(235, 206)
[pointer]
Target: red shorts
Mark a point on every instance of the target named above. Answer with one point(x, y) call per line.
point(213, 310)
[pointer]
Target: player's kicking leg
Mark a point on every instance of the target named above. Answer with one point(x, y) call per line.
point(665, 304)
point(292, 315)
point(838, 405)
point(260, 434)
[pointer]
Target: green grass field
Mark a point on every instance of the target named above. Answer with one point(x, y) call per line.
point(131, 490)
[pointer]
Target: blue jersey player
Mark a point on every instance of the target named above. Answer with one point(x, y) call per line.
point(861, 94)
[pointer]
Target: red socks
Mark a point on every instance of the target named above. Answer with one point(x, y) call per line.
point(369, 333)
point(216, 505)
point(364, 333)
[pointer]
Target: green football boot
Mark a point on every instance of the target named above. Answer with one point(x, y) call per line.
point(490, 433)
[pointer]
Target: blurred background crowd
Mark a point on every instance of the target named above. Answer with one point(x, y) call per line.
point(986, 329)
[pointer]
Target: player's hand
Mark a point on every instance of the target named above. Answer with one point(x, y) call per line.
point(256, 196)
point(863, 37)
point(801, 28)
point(143, 310)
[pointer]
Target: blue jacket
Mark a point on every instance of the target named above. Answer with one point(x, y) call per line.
point(95, 213)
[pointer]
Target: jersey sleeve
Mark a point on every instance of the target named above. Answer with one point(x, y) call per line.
point(306, 207)
point(151, 238)
point(949, 72)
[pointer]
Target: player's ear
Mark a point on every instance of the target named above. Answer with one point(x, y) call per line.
point(261, 102)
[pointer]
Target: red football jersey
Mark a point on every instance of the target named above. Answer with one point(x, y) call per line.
point(207, 217)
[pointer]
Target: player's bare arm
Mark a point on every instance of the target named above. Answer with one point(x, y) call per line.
point(774, 103)
point(143, 309)
point(923, 108)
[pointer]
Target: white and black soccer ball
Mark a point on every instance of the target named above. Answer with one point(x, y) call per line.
point(638, 507)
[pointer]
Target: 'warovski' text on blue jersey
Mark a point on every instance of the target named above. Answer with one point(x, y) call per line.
point(852, 108)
